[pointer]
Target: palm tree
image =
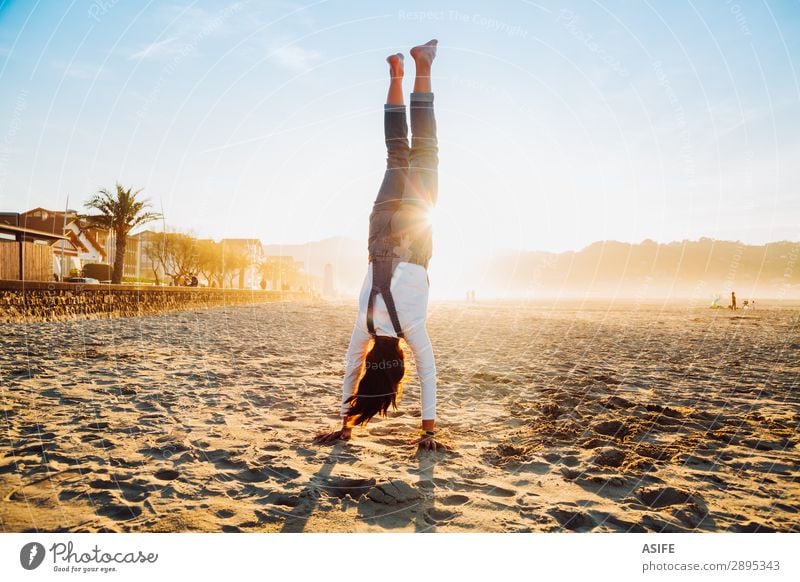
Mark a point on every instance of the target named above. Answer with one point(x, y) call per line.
point(120, 212)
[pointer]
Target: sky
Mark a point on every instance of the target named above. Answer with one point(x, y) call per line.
point(560, 123)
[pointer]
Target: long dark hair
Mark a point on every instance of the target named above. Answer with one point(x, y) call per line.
point(381, 383)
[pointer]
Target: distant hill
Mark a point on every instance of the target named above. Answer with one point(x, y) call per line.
point(699, 268)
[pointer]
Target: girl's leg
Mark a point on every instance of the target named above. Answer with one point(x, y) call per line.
point(396, 136)
point(395, 96)
point(423, 159)
point(423, 56)
point(390, 194)
point(411, 223)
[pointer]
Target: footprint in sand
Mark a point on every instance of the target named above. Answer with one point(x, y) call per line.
point(35, 449)
point(491, 490)
point(130, 491)
point(572, 519)
point(569, 473)
point(594, 443)
point(250, 475)
point(658, 497)
point(216, 418)
point(612, 428)
point(753, 527)
point(437, 516)
point(394, 492)
point(383, 431)
point(451, 500)
point(617, 524)
point(166, 474)
point(120, 462)
point(284, 499)
point(691, 515)
point(609, 457)
point(119, 512)
point(618, 402)
point(281, 473)
point(270, 516)
point(343, 486)
point(656, 452)
point(570, 460)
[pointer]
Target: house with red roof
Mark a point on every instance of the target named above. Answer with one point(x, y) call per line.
point(84, 244)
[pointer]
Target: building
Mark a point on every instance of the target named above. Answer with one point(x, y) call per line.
point(140, 262)
point(83, 243)
point(26, 254)
point(284, 273)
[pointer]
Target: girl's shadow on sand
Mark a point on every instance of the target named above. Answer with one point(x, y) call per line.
point(390, 504)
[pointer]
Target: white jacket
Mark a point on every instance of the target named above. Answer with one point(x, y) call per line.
point(410, 287)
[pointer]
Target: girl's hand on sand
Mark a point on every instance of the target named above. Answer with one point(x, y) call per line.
point(329, 437)
point(431, 444)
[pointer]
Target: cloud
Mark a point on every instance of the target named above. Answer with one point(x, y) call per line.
point(188, 25)
point(294, 58)
point(155, 50)
point(78, 71)
point(193, 20)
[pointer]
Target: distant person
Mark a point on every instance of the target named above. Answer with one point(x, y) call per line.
point(393, 302)
point(733, 300)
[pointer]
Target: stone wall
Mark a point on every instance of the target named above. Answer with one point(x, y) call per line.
point(27, 301)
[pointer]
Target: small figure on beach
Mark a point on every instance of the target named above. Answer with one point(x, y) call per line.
point(393, 302)
point(733, 300)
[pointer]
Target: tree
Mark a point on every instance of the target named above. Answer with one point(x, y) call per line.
point(176, 254)
point(235, 260)
point(120, 212)
point(209, 261)
point(181, 257)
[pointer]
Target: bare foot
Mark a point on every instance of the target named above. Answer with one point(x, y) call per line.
point(329, 437)
point(425, 53)
point(428, 443)
point(395, 65)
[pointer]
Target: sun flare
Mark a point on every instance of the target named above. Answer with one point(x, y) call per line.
point(430, 216)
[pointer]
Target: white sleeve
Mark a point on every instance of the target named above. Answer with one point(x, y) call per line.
point(356, 352)
point(420, 344)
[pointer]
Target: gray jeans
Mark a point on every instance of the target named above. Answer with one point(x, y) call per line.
point(398, 226)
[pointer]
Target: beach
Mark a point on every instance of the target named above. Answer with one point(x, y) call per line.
point(588, 417)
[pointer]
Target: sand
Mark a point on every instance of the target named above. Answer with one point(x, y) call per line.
point(564, 417)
